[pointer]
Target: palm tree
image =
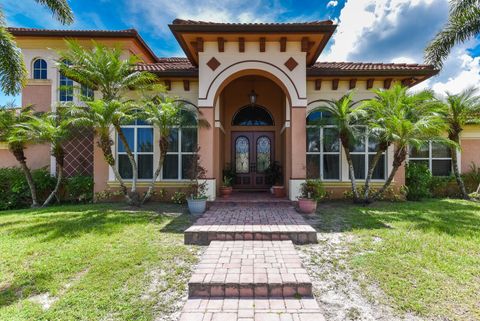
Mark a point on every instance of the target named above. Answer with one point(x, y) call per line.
point(104, 70)
point(347, 116)
point(463, 24)
point(102, 116)
point(165, 112)
point(54, 128)
point(17, 141)
point(411, 124)
point(12, 67)
point(460, 109)
point(380, 108)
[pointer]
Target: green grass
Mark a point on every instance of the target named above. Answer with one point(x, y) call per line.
point(98, 262)
point(425, 256)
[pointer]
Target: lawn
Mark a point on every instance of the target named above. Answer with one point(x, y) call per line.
point(425, 256)
point(93, 262)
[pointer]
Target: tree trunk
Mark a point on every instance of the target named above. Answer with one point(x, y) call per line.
point(59, 157)
point(345, 144)
point(371, 167)
point(19, 154)
point(453, 150)
point(163, 145)
point(134, 196)
point(398, 158)
point(106, 145)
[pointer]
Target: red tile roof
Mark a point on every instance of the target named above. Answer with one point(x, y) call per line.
point(178, 66)
point(197, 22)
point(126, 33)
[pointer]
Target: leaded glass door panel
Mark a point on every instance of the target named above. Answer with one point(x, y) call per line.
point(252, 153)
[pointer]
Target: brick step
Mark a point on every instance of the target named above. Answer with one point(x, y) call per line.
point(250, 269)
point(260, 309)
point(249, 233)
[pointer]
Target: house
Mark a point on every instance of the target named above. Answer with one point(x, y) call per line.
point(256, 84)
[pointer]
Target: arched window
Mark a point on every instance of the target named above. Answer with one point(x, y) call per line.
point(39, 69)
point(252, 116)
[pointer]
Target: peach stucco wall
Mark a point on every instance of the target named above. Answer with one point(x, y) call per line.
point(38, 156)
point(470, 154)
point(39, 94)
point(299, 138)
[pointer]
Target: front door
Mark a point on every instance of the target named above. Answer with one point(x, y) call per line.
point(252, 153)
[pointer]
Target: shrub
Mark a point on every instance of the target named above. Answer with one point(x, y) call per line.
point(79, 188)
point(14, 191)
point(418, 180)
point(313, 188)
point(179, 198)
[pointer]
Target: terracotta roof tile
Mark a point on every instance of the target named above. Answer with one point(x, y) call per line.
point(182, 66)
point(197, 22)
point(368, 66)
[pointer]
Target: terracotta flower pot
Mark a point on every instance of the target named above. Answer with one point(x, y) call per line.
point(279, 191)
point(307, 205)
point(225, 191)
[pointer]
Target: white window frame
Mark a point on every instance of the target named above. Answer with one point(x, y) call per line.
point(134, 148)
point(366, 154)
point(430, 159)
point(321, 153)
point(180, 154)
point(41, 69)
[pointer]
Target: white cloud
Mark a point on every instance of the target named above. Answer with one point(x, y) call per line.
point(332, 3)
point(398, 31)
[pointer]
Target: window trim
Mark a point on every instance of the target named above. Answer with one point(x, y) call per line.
point(430, 159)
point(38, 59)
point(180, 154)
point(134, 151)
point(321, 153)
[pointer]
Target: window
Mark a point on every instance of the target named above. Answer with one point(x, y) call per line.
point(39, 69)
point(66, 89)
point(86, 92)
point(323, 147)
point(252, 116)
point(436, 156)
point(139, 136)
point(181, 150)
point(363, 150)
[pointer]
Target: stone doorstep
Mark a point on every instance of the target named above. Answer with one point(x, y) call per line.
point(261, 290)
point(205, 237)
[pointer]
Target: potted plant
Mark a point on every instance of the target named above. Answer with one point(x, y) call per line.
point(226, 188)
point(312, 192)
point(275, 177)
point(197, 202)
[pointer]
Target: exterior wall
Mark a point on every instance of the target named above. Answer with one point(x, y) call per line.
point(272, 61)
point(38, 156)
point(470, 148)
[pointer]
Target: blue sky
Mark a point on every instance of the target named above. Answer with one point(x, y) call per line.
point(369, 30)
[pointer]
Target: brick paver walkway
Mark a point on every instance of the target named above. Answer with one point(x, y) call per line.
point(250, 221)
point(250, 270)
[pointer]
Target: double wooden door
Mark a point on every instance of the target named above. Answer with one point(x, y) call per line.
point(252, 154)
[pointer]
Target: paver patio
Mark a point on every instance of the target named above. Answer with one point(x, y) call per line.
point(250, 270)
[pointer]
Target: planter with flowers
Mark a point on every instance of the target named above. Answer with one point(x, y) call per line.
point(312, 191)
point(197, 202)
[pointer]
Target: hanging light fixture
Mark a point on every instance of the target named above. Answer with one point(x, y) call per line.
point(253, 97)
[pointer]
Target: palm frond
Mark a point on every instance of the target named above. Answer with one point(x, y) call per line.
point(60, 10)
point(12, 68)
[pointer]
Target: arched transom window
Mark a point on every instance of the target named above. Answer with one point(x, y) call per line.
point(252, 116)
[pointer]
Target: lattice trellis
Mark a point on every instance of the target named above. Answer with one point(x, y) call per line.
point(79, 153)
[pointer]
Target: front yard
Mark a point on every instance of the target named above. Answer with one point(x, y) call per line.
point(407, 260)
point(93, 262)
point(107, 262)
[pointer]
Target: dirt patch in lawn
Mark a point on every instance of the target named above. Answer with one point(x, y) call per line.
point(339, 293)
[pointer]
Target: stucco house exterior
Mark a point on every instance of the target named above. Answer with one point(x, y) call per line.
point(256, 84)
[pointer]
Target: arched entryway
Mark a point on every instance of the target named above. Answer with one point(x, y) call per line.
point(252, 111)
